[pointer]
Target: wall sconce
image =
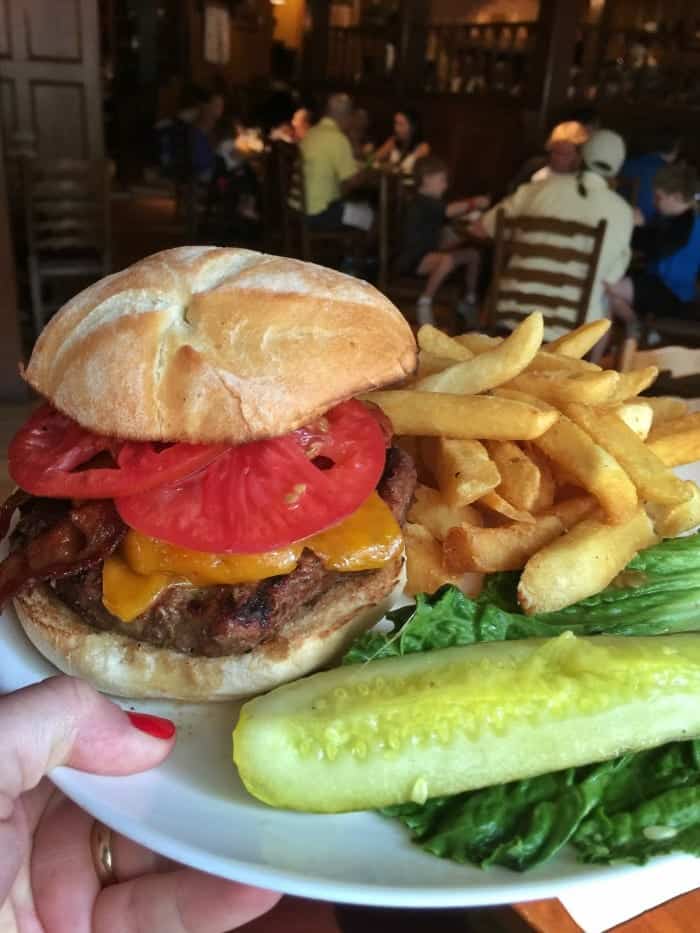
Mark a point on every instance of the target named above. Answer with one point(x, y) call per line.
point(595, 9)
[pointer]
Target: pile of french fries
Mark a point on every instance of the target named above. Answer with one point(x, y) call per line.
point(531, 458)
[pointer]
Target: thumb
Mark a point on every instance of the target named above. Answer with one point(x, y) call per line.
point(64, 721)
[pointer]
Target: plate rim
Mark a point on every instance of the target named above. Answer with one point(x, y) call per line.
point(295, 883)
point(523, 887)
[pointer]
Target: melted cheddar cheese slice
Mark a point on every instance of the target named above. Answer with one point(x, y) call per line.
point(143, 567)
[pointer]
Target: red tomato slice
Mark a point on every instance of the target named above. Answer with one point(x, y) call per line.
point(266, 494)
point(46, 454)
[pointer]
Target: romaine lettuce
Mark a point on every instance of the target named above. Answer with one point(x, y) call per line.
point(627, 809)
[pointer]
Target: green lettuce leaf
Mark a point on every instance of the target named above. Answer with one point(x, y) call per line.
point(628, 809)
point(657, 594)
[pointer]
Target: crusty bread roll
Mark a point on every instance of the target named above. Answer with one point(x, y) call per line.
point(207, 344)
point(125, 667)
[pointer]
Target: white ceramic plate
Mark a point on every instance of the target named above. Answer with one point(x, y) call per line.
point(194, 809)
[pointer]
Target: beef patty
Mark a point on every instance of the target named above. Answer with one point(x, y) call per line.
point(227, 620)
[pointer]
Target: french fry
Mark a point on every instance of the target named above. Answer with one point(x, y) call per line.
point(425, 572)
point(434, 341)
point(517, 395)
point(543, 361)
point(573, 510)
point(478, 343)
point(578, 342)
point(432, 511)
point(654, 481)
point(637, 415)
point(492, 500)
point(431, 414)
point(672, 520)
point(520, 477)
point(547, 490)
point(546, 362)
point(582, 562)
point(591, 467)
point(633, 382)
point(428, 364)
point(688, 423)
point(463, 469)
point(562, 386)
point(492, 367)
point(489, 550)
point(666, 408)
point(676, 441)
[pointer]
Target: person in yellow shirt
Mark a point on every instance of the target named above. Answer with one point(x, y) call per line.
point(585, 197)
point(331, 172)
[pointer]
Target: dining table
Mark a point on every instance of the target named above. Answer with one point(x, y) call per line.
point(299, 915)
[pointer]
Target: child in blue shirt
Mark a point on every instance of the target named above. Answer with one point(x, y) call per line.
point(643, 170)
point(670, 245)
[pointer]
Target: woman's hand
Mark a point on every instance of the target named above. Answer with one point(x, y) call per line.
point(48, 876)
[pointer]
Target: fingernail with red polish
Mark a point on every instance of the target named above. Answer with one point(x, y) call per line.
point(156, 726)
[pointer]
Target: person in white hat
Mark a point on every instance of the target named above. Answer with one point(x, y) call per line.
point(585, 197)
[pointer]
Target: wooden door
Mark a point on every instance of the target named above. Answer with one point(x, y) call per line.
point(50, 87)
point(11, 386)
point(50, 107)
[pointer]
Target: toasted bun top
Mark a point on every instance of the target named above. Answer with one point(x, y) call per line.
point(207, 344)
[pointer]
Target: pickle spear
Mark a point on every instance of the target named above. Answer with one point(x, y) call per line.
point(367, 736)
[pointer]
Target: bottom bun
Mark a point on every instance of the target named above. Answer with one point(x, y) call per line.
point(122, 666)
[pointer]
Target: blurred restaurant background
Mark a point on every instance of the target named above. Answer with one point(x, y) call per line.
point(130, 126)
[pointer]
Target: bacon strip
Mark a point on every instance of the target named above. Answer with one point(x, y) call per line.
point(8, 508)
point(88, 534)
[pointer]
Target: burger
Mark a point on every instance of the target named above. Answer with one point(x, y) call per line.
point(205, 508)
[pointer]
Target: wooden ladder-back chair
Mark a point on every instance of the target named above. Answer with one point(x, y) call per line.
point(67, 213)
point(300, 239)
point(517, 237)
point(394, 198)
point(395, 195)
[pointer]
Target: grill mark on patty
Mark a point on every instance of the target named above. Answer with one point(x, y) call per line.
point(220, 620)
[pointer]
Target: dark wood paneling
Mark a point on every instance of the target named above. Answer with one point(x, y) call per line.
point(11, 386)
point(44, 40)
point(59, 119)
point(482, 138)
point(8, 105)
point(5, 30)
point(250, 48)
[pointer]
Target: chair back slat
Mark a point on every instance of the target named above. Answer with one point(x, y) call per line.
point(553, 320)
point(561, 254)
point(59, 209)
point(85, 222)
point(67, 219)
point(518, 238)
point(537, 298)
point(549, 225)
point(546, 277)
point(67, 193)
point(69, 241)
